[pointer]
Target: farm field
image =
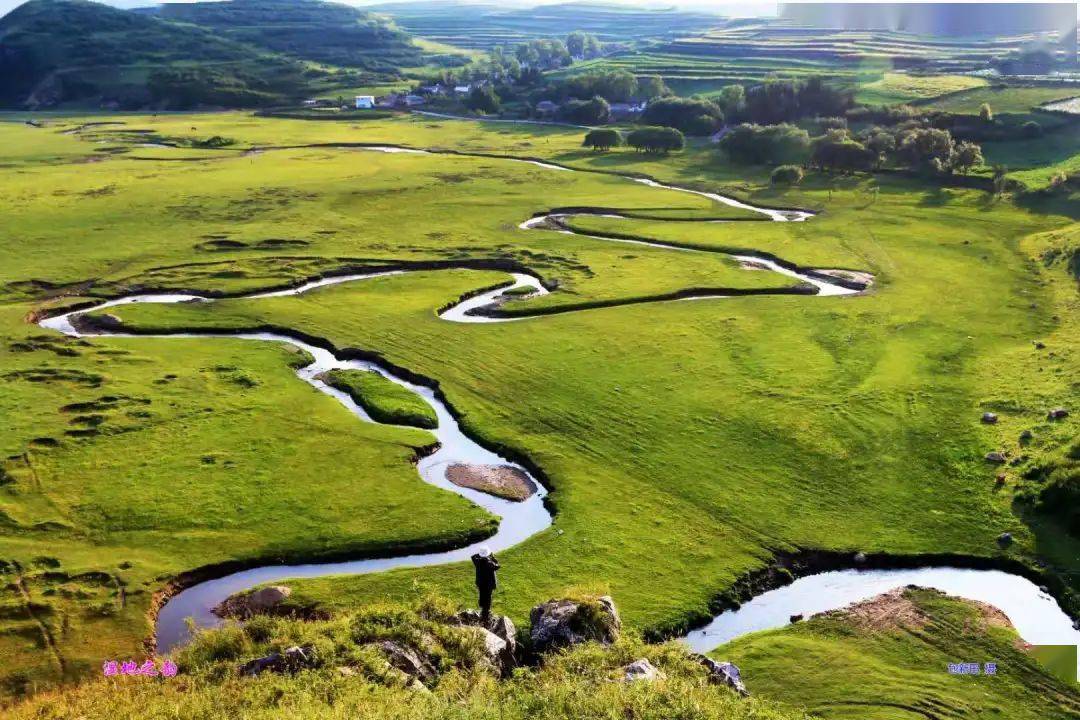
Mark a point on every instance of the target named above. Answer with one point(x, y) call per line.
point(1002, 99)
point(898, 88)
point(686, 443)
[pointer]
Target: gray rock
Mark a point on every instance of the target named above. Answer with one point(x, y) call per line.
point(499, 625)
point(997, 458)
point(860, 558)
point(496, 650)
point(292, 660)
point(989, 418)
point(258, 601)
point(722, 673)
point(1057, 414)
point(562, 623)
point(407, 660)
point(642, 670)
point(1005, 539)
point(795, 618)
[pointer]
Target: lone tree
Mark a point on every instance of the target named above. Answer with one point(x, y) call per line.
point(967, 156)
point(602, 139)
point(656, 139)
point(985, 113)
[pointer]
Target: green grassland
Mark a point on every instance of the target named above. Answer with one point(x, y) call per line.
point(894, 668)
point(894, 88)
point(686, 442)
point(386, 401)
point(1001, 99)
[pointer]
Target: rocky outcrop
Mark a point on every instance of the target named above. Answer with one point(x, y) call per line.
point(1057, 414)
point(407, 661)
point(723, 673)
point(989, 418)
point(642, 670)
point(260, 601)
point(499, 637)
point(996, 458)
point(562, 623)
point(292, 660)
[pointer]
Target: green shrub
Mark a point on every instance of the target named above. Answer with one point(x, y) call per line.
point(786, 175)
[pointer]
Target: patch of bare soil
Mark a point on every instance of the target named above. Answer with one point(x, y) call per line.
point(884, 612)
point(751, 265)
point(502, 481)
point(854, 275)
point(992, 617)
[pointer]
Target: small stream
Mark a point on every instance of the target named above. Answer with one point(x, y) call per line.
point(1034, 613)
point(1036, 616)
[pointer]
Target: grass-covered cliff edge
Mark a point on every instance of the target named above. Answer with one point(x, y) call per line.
point(884, 658)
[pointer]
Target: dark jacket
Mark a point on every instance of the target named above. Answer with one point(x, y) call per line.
point(485, 571)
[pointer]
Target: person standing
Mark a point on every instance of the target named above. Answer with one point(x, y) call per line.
point(486, 565)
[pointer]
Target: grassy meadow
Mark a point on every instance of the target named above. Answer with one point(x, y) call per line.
point(685, 442)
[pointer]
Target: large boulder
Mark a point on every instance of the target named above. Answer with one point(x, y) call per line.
point(496, 650)
point(723, 673)
point(996, 458)
point(256, 602)
point(499, 628)
point(642, 670)
point(562, 623)
point(1057, 414)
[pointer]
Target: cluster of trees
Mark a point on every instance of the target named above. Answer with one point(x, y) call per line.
point(583, 45)
point(646, 139)
point(483, 99)
point(691, 116)
point(926, 149)
point(613, 86)
point(780, 101)
point(525, 62)
point(766, 144)
point(586, 112)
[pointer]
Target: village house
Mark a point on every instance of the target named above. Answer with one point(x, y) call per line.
point(626, 111)
point(365, 102)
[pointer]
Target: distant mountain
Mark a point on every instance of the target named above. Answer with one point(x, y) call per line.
point(243, 53)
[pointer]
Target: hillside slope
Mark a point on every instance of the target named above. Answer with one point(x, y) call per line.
point(242, 53)
point(324, 32)
point(58, 51)
point(889, 657)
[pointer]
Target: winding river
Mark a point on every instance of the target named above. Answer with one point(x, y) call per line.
point(1036, 615)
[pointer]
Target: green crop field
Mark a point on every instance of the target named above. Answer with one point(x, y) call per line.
point(894, 88)
point(1001, 99)
point(686, 443)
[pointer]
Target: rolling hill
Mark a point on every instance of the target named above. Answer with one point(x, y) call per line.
point(243, 53)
